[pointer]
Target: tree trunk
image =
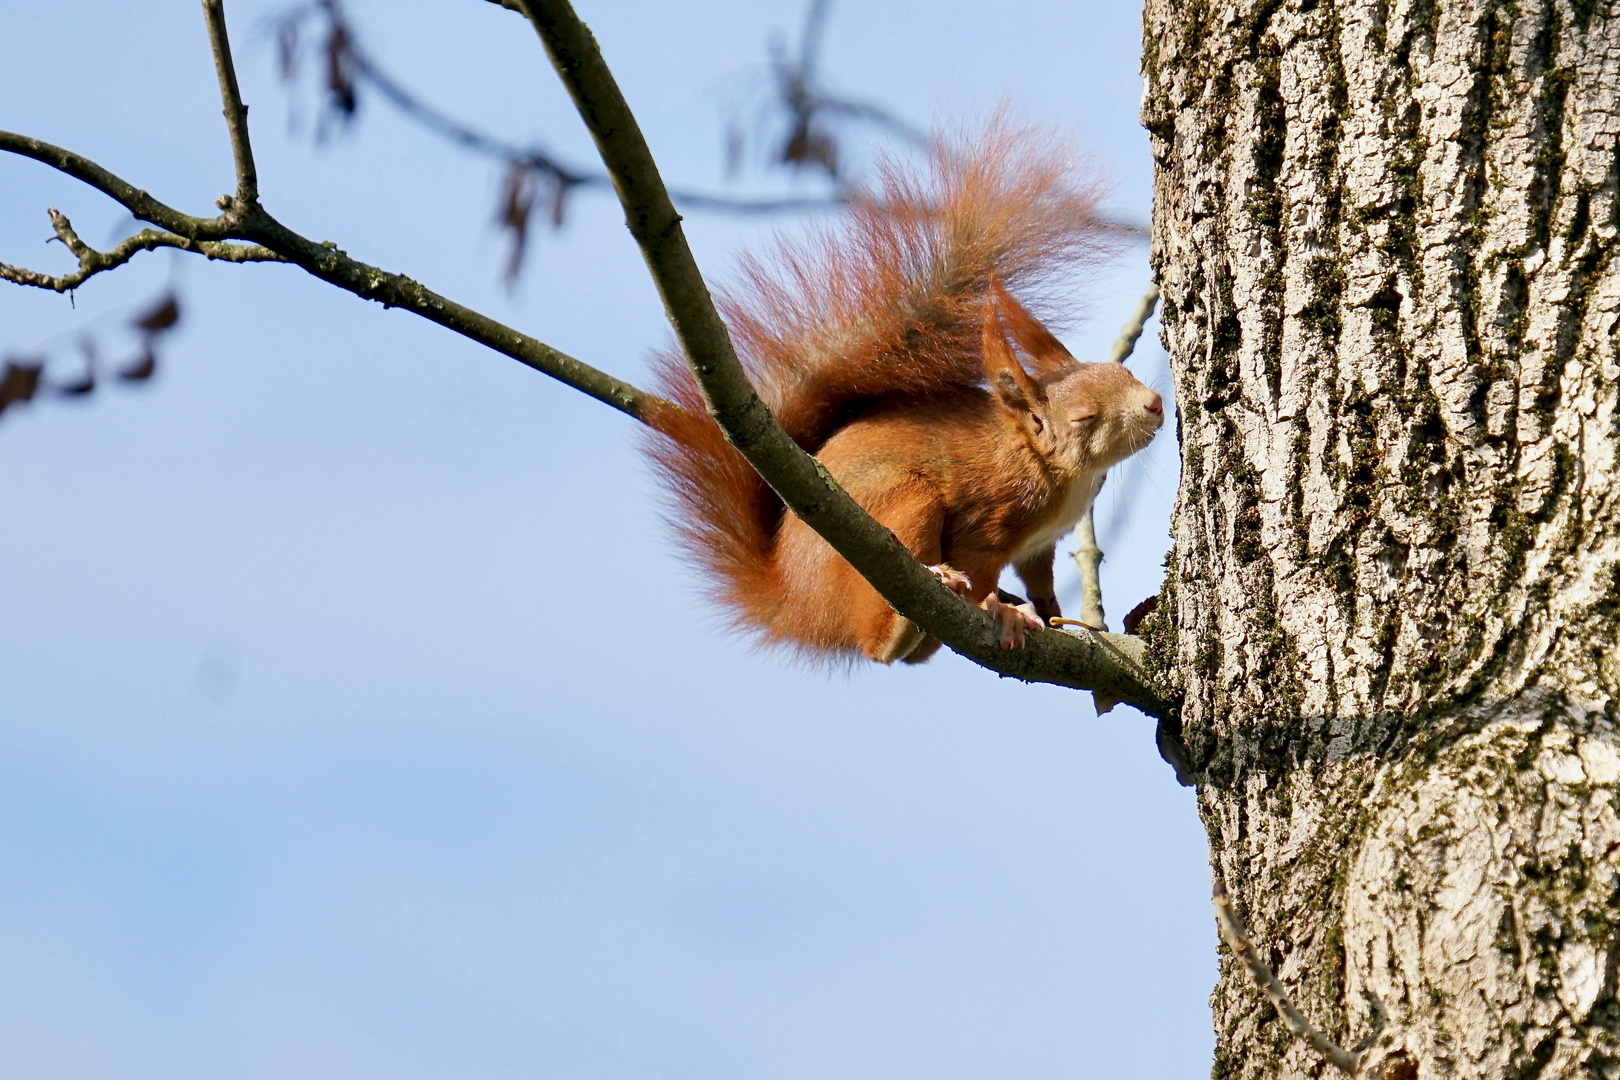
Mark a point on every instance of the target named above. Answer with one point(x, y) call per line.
point(1383, 231)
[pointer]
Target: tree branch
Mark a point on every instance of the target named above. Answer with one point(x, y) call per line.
point(247, 177)
point(327, 262)
point(93, 262)
point(1131, 332)
point(491, 146)
point(1237, 940)
point(136, 201)
point(1111, 662)
point(800, 103)
point(1087, 555)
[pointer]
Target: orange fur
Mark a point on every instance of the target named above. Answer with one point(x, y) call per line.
point(873, 344)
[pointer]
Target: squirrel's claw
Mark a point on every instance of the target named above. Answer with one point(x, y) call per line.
point(1016, 622)
point(953, 579)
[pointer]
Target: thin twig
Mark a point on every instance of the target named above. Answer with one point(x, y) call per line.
point(247, 177)
point(93, 262)
point(801, 482)
point(1132, 330)
point(333, 266)
point(327, 262)
point(1237, 940)
point(565, 175)
point(798, 93)
point(491, 146)
point(1088, 556)
point(127, 195)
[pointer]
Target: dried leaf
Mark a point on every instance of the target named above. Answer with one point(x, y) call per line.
point(19, 382)
point(1140, 612)
point(142, 369)
point(161, 317)
point(518, 195)
point(342, 95)
point(808, 146)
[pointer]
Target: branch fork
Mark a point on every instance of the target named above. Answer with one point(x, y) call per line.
point(93, 262)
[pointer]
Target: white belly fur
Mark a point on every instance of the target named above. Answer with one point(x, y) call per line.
point(1069, 511)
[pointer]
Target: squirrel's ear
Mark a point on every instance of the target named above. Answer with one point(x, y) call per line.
point(1016, 391)
point(1046, 352)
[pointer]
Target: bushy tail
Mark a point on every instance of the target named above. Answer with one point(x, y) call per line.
point(883, 304)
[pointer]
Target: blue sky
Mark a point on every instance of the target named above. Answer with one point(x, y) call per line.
point(357, 718)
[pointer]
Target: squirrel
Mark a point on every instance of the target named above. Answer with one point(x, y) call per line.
point(887, 349)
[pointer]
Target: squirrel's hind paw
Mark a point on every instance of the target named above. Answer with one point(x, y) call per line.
point(1016, 622)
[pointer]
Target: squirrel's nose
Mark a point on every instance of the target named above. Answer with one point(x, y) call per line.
point(1155, 405)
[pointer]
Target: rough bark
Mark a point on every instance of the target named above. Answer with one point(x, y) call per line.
point(1384, 234)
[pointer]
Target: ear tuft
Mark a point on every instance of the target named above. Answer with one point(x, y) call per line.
point(1046, 353)
point(1010, 393)
point(1016, 390)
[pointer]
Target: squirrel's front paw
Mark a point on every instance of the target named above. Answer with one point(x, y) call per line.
point(1016, 622)
point(952, 579)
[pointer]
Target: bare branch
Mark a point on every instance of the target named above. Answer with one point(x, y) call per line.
point(796, 85)
point(93, 262)
point(247, 177)
point(481, 142)
point(1132, 330)
point(131, 198)
point(250, 222)
point(798, 93)
point(1237, 940)
point(327, 262)
point(70, 239)
point(1109, 661)
point(1087, 555)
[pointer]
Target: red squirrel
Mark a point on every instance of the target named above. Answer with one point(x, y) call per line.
point(887, 349)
